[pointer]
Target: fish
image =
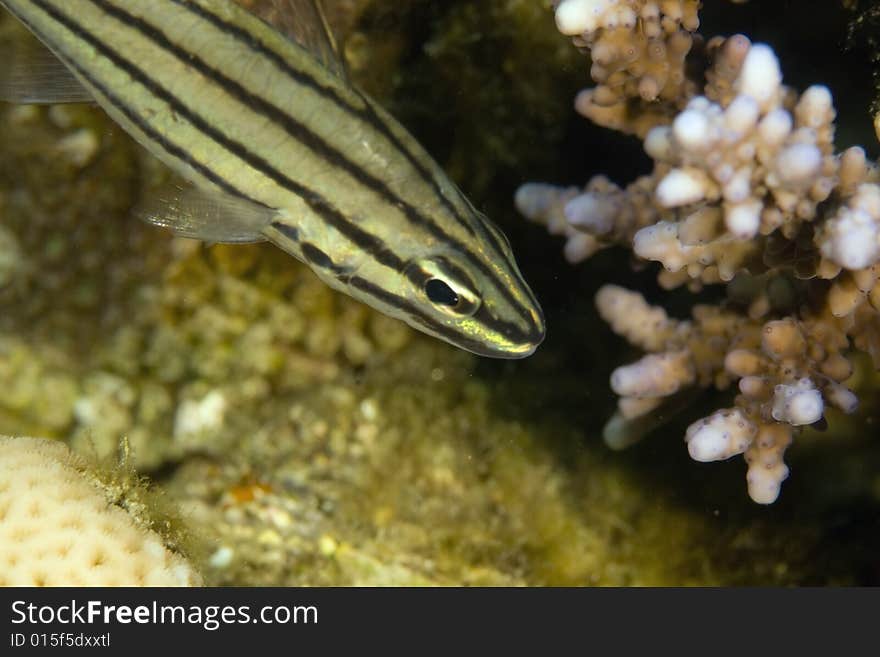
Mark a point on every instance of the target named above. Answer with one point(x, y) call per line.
point(276, 143)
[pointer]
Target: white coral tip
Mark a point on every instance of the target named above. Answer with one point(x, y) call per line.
point(742, 114)
point(592, 213)
point(814, 106)
point(842, 397)
point(575, 17)
point(760, 76)
point(658, 144)
point(719, 436)
point(765, 482)
point(681, 187)
point(797, 404)
point(799, 164)
point(744, 219)
point(853, 239)
point(775, 127)
point(533, 199)
point(691, 130)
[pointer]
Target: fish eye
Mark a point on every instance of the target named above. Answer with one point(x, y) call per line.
point(440, 293)
point(458, 301)
point(444, 283)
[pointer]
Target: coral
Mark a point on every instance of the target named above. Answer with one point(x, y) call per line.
point(638, 50)
point(60, 525)
point(746, 190)
point(787, 370)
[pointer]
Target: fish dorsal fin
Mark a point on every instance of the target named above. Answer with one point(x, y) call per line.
point(209, 215)
point(304, 21)
point(31, 73)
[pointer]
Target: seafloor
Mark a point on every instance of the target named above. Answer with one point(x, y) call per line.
point(310, 441)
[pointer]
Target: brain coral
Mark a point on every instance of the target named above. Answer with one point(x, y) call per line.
point(58, 527)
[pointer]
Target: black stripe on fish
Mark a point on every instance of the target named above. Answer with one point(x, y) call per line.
point(368, 114)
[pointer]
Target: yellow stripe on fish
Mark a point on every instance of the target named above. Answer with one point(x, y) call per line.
point(280, 146)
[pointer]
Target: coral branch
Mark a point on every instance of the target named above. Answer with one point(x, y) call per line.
point(746, 190)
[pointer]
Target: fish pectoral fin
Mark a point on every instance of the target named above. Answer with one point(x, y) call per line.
point(209, 215)
point(304, 22)
point(31, 73)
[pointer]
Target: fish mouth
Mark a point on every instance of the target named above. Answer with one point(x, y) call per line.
point(516, 342)
point(532, 339)
point(520, 345)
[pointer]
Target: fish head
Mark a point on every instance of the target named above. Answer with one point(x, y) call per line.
point(475, 309)
point(470, 293)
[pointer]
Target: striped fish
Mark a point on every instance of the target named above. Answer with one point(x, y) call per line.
point(280, 146)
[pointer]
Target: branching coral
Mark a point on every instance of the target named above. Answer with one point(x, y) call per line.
point(638, 50)
point(746, 190)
